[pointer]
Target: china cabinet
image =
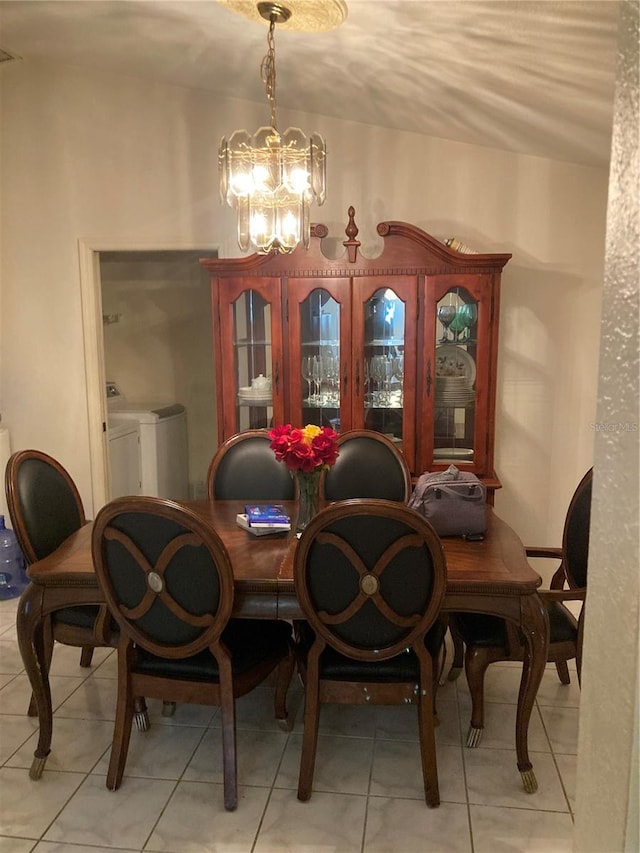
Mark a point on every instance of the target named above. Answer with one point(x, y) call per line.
point(405, 343)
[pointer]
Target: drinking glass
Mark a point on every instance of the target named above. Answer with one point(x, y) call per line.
point(318, 375)
point(307, 375)
point(398, 372)
point(468, 314)
point(446, 315)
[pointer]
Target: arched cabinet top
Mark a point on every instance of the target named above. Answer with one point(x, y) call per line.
point(407, 249)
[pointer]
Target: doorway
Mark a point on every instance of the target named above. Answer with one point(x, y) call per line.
point(150, 311)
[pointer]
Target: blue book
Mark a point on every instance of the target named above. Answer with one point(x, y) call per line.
point(267, 515)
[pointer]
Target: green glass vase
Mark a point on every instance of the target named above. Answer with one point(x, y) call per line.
point(308, 496)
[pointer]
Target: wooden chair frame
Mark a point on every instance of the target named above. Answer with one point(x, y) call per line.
point(363, 691)
point(178, 689)
point(478, 658)
point(70, 635)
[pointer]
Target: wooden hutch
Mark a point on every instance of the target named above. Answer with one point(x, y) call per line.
point(405, 343)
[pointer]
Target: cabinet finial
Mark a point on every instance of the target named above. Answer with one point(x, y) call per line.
point(352, 232)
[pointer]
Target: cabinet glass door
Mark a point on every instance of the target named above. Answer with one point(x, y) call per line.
point(455, 399)
point(248, 329)
point(320, 359)
point(253, 359)
point(383, 363)
point(318, 354)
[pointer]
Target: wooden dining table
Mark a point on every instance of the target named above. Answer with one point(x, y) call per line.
point(488, 576)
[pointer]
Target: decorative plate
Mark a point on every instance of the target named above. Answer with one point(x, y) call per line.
point(453, 361)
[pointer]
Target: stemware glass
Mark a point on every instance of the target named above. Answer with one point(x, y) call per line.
point(458, 325)
point(317, 373)
point(398, 372)
point(307, 375)
point(446, 315)
point(330, 366)
point(468, 314)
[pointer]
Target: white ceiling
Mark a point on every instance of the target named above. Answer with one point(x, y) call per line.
point(531, 76)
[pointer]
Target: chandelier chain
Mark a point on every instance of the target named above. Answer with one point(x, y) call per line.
point(268, 70)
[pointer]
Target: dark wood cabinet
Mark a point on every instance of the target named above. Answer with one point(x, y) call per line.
point(405, 343)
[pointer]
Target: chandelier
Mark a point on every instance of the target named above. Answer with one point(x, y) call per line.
point(271, 178)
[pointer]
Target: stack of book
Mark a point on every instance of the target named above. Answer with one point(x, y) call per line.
point(459, 246)
point(262, 519)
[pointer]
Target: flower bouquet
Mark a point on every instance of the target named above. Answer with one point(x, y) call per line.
point(306, 453)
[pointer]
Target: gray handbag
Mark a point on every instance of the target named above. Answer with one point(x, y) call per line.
point(455, 502)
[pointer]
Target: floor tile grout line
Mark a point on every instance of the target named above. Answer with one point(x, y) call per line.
point(272, 787)
point(555, 764)
point(464, 770)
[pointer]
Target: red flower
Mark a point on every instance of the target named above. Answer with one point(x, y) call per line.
point(310, 449)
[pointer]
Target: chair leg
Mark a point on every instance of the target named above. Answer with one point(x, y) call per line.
point(476, 662)
point(428, 750)
point(579, 645)
point(458, 656)
point(563, 672)
point(86, 656)
point(140, 714)
point(283, 680)
point(46, 638)
point(229, 756)
point(121, 735)
point(310, 732)
point(168, 709)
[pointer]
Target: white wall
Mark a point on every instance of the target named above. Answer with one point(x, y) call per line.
point(608, 772)
point(122, 163)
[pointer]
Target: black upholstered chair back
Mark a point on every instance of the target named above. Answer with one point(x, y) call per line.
point(166, 577)
point(43, 501)
point(575, 541)
point(368, 466)
point(245, 468)
point(370, 577)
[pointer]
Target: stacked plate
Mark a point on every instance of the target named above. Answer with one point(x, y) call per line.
point(254, 396)
point(454, 391)
point(455, 375)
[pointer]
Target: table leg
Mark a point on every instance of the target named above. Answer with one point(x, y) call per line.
point(29, 623)
point(535, 628)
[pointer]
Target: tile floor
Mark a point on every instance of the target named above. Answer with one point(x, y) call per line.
point(367, 796)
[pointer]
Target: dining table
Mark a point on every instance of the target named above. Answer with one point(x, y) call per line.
point(491, 576)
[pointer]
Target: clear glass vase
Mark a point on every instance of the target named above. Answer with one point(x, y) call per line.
point(308, 496)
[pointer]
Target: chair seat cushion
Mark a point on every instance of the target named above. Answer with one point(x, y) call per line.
point(480, 629)
point(403, 667)
point(81, 616)
point(249, 641)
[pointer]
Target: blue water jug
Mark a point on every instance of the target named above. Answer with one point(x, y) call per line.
point(13, 577)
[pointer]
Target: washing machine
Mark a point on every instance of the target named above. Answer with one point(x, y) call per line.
point(164, 462)
point(124, 456)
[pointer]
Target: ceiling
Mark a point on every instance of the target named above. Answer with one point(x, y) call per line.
point(530, 77)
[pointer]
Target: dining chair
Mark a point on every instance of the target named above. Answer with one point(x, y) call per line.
point(168, 583)
point(45, 509)
point(489, 638)
point(244, 467)
point(370, 579)
point(369, 465)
